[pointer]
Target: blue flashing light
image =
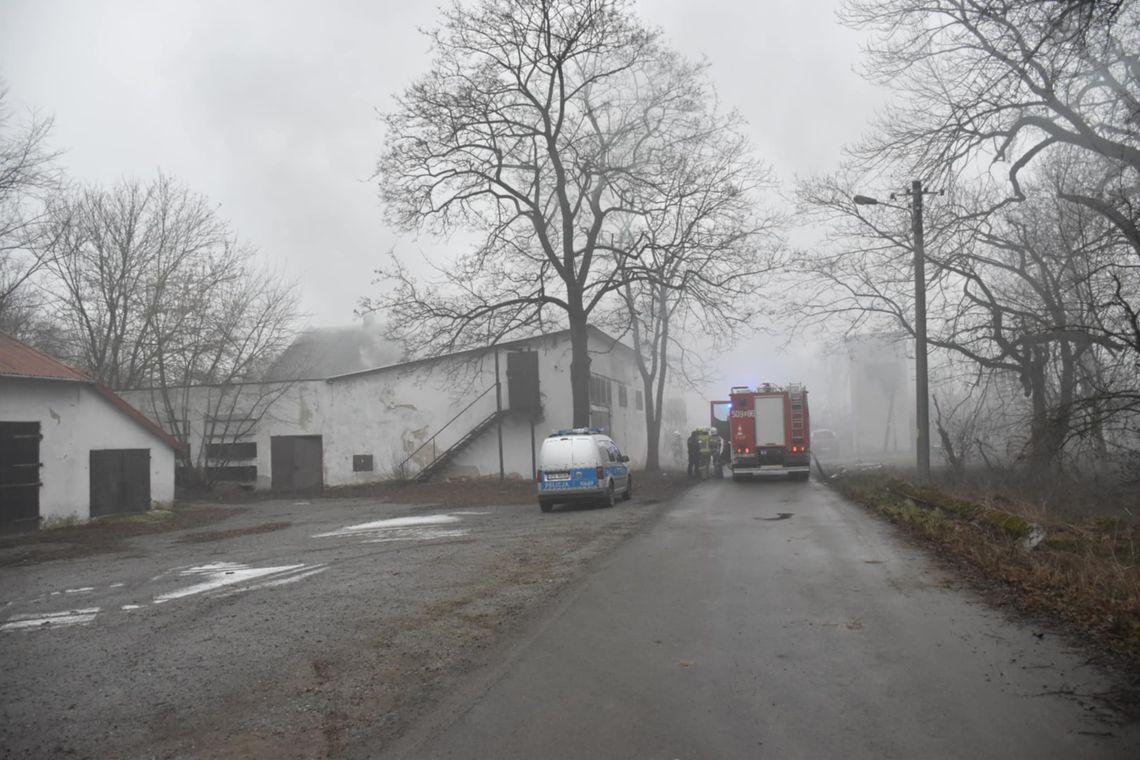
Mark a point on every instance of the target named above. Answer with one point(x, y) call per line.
point(577, 431)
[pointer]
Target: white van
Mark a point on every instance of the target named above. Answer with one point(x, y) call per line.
point(581, 464)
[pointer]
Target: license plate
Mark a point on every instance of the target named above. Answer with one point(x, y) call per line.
point(557, 476)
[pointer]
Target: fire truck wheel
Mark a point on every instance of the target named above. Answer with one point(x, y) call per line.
point(610, 499)
point(545, 505)
point(628, 489)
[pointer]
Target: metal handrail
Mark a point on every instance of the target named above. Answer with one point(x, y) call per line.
point(445, 426)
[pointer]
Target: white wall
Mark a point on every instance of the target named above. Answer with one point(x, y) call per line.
point(390, 412)
point(74, 419)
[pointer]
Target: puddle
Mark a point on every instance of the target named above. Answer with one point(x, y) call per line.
point(50, 620)
point(413, 528)
point(228, 574)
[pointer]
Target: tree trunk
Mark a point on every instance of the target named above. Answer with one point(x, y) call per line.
point(652, 431)
point(580, 367)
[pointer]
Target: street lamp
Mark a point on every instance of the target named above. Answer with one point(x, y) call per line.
point(921, 377)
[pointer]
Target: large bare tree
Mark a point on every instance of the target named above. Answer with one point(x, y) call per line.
point(539, 127)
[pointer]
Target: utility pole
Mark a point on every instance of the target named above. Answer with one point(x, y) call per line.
point(921, 379)
point(499, 412)
point(921, 376)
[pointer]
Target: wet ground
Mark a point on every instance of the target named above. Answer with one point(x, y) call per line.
point(275, 629)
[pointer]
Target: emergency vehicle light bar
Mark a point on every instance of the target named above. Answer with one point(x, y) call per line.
point(577, 431)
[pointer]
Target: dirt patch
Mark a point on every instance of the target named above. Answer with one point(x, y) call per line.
point(218, 535)
point(104, 535)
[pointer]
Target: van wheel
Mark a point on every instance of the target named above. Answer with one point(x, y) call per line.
point(628, 489)
point(545, 505)
point(610, 498)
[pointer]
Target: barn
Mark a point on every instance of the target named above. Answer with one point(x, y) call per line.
point(332, 420)
point(71, 448)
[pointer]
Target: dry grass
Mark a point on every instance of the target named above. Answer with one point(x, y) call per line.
point(1086, 572)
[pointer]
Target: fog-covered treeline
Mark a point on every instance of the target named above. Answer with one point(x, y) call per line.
point(1025, 116)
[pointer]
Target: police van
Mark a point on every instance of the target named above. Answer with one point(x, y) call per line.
point(582, 464)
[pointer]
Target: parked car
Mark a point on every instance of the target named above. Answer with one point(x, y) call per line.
point(581, 464)
point(825, 443)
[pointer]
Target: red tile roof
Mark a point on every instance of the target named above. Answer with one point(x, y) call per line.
point(22, 361)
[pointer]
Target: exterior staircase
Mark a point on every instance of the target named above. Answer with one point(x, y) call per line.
point(440, 461)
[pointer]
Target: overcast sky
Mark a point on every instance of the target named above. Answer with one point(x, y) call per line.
point(269, 107)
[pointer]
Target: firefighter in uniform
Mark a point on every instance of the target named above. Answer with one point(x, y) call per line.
point(716, 452)
point(706, 451)
point(694, 445)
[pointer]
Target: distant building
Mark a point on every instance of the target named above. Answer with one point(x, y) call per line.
point(881, 396)
point(325, 418)
point(71, 448)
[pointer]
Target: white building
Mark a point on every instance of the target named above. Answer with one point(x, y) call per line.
point(440, 416)
point(71, 448)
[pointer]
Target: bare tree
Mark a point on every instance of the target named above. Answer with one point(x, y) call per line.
point(1000, 80)
point(539, 127)
point(694, 261)
point(1020, 291)
point(155, 291)
point(28, 181)
point(122, 253)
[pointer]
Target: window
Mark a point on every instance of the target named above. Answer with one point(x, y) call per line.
point(231, 451)
point(362, 463)
point(601, 392)
point(623, 398)
point(232, 474)
point(639, 400)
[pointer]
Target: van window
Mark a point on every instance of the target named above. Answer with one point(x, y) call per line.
point(603, 454)
point(563, 453)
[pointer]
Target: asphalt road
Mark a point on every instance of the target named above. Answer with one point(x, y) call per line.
point(775, 620)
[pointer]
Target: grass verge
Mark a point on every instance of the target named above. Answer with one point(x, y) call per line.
point(1085, 572)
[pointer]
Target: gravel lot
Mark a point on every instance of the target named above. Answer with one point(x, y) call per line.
point(271, 629)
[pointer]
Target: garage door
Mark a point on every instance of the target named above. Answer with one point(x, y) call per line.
point(19, 475)
point(120, 481)
point(296, 462)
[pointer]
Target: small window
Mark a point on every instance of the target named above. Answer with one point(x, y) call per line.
point(623, 399)
point(232, 474)
point(230, 452)
point(639, 400)
point(362, 463)
point(601, 392)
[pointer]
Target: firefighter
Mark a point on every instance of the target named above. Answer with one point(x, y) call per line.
point(678, 446)
point(705, 452)
point(694, 455)
point(716, 452)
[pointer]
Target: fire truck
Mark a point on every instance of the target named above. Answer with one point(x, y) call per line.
point(768, 430)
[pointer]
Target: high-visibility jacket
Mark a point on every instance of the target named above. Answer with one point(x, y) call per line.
point(716, 444)
point(706, 443)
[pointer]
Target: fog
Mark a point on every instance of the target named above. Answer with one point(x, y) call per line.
point(270, 108)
